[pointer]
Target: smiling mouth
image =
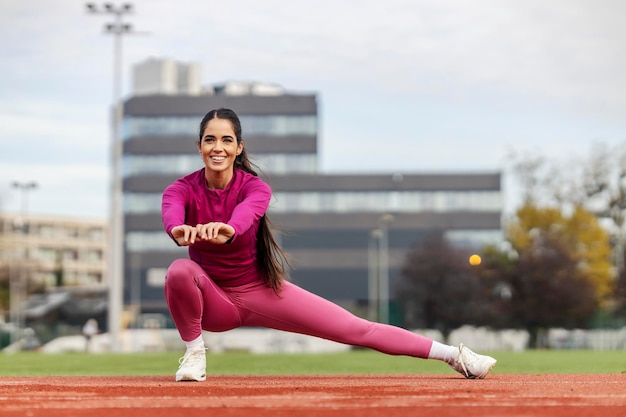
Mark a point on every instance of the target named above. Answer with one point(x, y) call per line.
point(218, 158)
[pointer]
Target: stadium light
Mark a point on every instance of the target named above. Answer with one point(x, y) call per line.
point(373, 276)
point(116, 222)
point(18, 282)
point(383, 283)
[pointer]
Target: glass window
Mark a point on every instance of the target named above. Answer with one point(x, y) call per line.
point(155, 277)
point(160, 164)
point(286, 163)
point(185, 164)
point(150, 241)
point(398, 201)
point(46, 254)
point(379, 201)
point(277, 125)
point(473, 238)
point(142, 203)
point(93, 255)
point(95, 234)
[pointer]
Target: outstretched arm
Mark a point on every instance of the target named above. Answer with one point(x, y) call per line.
point(256, 199)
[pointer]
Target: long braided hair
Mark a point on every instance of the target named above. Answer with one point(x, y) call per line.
point(272, 260)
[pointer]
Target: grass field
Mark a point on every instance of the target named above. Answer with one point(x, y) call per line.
point(354, 362)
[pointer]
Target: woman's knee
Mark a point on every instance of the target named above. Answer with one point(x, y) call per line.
point(181, 271)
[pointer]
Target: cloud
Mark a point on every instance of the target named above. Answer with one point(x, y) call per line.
point(430, 77)
point(564, 50)
point(569, 52)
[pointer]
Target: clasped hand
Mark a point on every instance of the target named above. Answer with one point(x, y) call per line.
point(214, 232)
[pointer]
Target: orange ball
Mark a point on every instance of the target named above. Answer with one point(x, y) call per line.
point(475, 260)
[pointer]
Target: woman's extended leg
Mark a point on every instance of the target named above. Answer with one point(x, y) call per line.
point(300, 311)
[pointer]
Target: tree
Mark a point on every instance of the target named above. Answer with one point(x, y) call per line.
point(4, 288)
point(555, 273)
point(605, 189)
point(437, 289)
point(597, 184)
point(580, 235)
point(499, 266)
point(549, 289)
point(4, 268)
point(620, 295)
point(537, 288)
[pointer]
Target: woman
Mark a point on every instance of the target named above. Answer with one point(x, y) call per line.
point(236, 272)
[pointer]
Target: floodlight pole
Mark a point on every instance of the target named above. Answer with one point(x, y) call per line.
point(18, 282)
point(383, 282)
point(116, 222)
point(373, 280)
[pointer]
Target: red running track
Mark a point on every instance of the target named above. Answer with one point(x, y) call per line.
point(321, 395)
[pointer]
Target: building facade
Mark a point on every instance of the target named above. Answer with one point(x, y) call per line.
point(329, 223)
point(45, 261)
point(55, 250)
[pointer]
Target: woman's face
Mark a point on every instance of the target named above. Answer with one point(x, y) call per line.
point(219, 146)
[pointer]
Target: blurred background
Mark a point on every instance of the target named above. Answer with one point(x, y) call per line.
point(399, 139)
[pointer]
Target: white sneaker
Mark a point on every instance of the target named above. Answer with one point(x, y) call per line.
point(472, 365)
point(192, 366)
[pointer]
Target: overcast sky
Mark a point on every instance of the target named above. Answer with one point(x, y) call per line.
point(403, 85)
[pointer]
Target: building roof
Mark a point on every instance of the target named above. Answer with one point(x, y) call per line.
point(188, 105)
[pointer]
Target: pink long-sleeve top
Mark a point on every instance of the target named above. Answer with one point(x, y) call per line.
point(241, 205)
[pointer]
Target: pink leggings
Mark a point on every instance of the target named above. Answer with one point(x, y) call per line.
point(197, 303)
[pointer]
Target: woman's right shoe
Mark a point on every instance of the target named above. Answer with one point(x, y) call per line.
point(192, 366)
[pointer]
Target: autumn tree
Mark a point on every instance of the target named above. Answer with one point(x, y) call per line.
point(579, 234)
point(545, 288)
point(437, 289)
point(496, 274)
point(605, 189)
point(596, 183)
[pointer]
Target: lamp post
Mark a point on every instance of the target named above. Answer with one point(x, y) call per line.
point(116, 223)
point(618, 218)
point(373, 276)
point(383, 282)
point(135, 294)
point(17, 282)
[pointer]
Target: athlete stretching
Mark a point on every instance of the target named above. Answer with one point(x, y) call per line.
point(235, 274)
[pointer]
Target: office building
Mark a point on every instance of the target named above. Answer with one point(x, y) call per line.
point(54, 251)
point(55, 268)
